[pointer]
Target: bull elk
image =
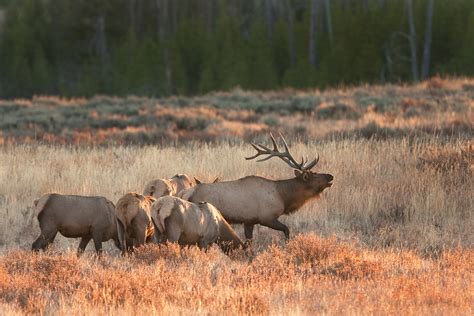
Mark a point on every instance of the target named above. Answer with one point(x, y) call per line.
point(256, 200)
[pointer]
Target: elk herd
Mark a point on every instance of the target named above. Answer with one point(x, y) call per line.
point(183, 210)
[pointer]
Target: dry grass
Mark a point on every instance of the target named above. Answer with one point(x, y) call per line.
point(389, 193)
point(309, 275)
point(393, 235)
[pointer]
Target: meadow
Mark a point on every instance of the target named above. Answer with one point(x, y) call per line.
point(441, 107)
point(394, 234)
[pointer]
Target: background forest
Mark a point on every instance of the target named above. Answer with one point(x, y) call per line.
point(190, 47)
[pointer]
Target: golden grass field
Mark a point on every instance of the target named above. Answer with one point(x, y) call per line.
point(393, 235)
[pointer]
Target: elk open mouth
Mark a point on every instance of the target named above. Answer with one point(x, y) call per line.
point(330, 178)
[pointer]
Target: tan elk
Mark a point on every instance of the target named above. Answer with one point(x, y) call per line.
point(134, 226)
point(257, 200)
point(162, 187)
point(74, 216)
point(187, 223)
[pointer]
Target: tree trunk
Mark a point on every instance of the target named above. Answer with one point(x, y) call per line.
point(412, 39)
point(291, 38)
point(425, 70)
point(269, 17)
point(327, 8)
point(312, 33)
point(101, 41)
point(131, 12)
point(365, 5)
point(210, 15)
point(163, 30)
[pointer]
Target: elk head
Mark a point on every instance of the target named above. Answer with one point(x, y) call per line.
point(184, 180)
point(313, 181)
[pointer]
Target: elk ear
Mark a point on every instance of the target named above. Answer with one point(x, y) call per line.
point(305, 176)
point(197, 180)
point(297, 173)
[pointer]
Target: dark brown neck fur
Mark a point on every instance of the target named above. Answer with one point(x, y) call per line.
point(294, 194)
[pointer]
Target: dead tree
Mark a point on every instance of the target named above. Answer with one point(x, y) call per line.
point(291, 38)
point(412, 40)
point(425, 69)
point(312, 33)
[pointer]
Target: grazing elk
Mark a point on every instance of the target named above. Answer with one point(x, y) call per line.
point(88, 217)
point(134, 226)
point(187, 223)
point(257, 200)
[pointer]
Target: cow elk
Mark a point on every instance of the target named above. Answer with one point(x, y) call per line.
point(172, 186)
point(74, 216)
point(134, 224)
point(187, 223)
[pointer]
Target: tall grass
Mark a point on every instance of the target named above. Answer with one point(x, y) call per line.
point(309, 275)
point(394, 234)
point(388, 193)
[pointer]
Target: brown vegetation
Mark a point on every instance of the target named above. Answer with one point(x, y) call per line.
point(438, 106)
point(403, 235)
point(309, 275)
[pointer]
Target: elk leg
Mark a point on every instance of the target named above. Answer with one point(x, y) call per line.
point(276, 224)
point(97, 237)
point(38, 243)
point(130, 242)
point(248, 231)
point(203, 244)
point(44, 240)
point(173, 233)
point(83, 245)
point(140, 237)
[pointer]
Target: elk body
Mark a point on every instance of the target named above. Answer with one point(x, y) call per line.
point(257, 200)
point(189, 223)
point(162, 187)
point(73, 216)
point(134, 224)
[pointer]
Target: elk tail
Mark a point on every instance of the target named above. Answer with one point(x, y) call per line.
point(121, 234)
point(164, 211)
point(40, 204)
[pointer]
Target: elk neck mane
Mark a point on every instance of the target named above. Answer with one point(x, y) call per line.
point(293, 194)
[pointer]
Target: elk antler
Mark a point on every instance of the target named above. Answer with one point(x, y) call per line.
point(285, 156)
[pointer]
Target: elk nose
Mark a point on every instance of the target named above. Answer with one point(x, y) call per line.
point(330, 177)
